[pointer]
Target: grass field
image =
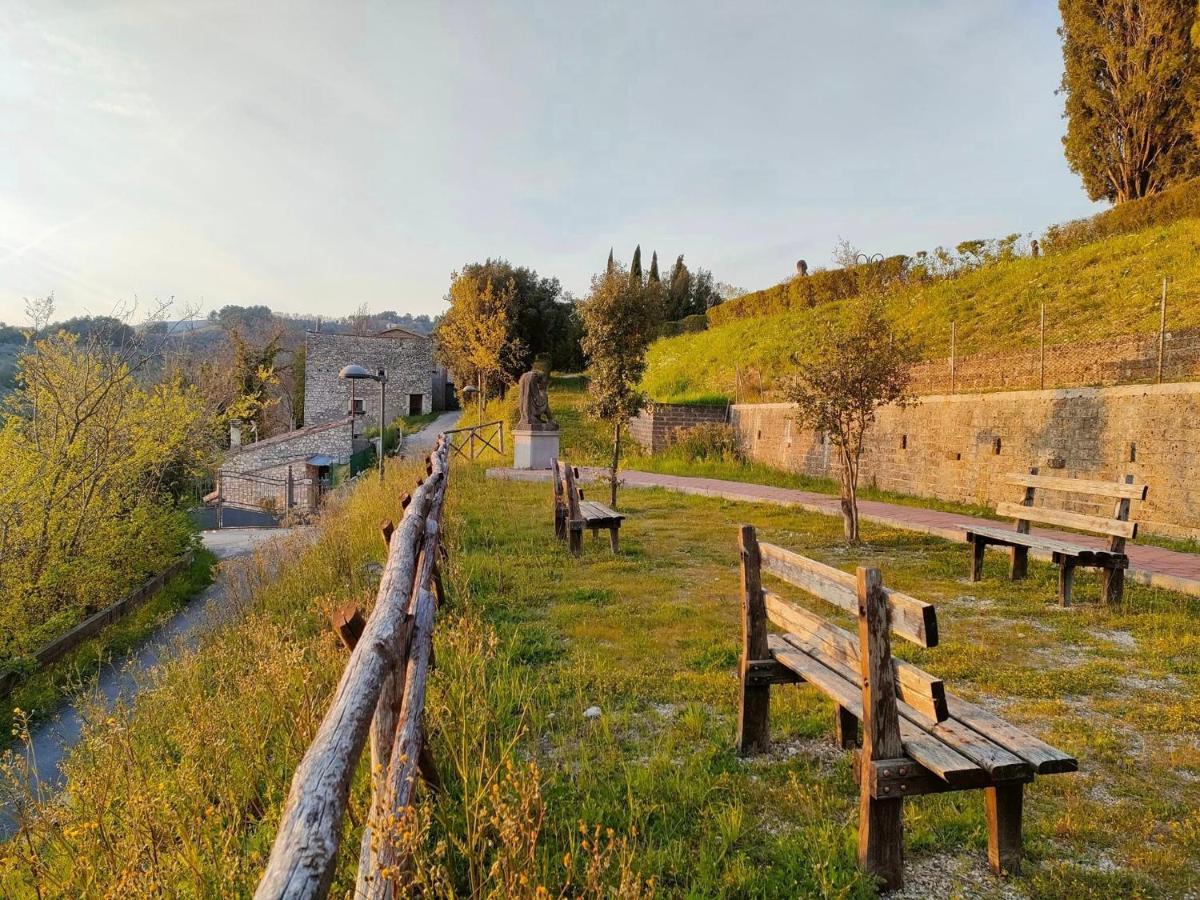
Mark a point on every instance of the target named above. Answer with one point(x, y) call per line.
point(1107, 288)
point(164, 801)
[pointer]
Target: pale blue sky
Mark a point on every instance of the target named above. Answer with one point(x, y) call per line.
point(316, 156)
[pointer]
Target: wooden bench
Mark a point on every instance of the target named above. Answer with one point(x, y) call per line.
point(917, 737)
point(1111, 561)
point(572, 513)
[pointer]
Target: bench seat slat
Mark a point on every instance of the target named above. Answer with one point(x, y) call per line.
point(1115, 489)
point(912, 619)
point(597, 512)
point(914, 686)
point(1050, 545)
point(952, 767)
point(1045, 759)
point(988, 755)
point(1065, 519)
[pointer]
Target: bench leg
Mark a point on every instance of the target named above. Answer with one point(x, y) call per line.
point(1020, 563)
point(1066, 578)
point(576, 541)
point(1002, 808)
point(881, 836)
point(845, 728)
point(614, 540)
point(977, 550)
point(1112, 585)
point(560, 525)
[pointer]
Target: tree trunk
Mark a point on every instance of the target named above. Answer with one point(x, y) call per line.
point(616, 459)
point(849, 500)
point(479, 394)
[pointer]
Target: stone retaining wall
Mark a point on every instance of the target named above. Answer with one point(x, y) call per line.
point(653, 426)
point(960, 447)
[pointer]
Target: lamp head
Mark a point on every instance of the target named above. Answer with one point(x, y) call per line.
point(354, 371)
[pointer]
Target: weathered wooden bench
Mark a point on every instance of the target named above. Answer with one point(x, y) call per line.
point(917, 738)
point(1111, 561)
point(572, 513)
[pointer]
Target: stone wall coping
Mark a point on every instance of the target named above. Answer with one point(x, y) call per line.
point(1125, 390)
point(292, 435)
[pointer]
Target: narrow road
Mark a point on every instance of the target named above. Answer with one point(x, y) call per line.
point(424, 440)
point(54, 737)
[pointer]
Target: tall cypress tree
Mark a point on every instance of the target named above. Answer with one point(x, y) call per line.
point(610, 261)
point(654, 267)
point(1131, 77)
point(635, 267)
point(679, 291)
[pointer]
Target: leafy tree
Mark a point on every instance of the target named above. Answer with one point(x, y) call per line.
point(860, 365)
point(1130, 80)
point(618, 323)
point(10, 334)
point(90, 455)
point(243, 317)
point(541, 316)
point(476, 334)
point(106, 329)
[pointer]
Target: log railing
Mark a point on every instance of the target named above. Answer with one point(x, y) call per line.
point(469, 441)
point(381, 695)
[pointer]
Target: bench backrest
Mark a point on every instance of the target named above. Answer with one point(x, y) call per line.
point(900, 614)
point(566, 491)
point(1118, 528)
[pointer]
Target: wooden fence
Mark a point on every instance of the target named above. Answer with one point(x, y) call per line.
point(381, 696)
point(468, 442)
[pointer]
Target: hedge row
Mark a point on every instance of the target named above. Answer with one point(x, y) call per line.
point(811, 290)
point(1179, 202)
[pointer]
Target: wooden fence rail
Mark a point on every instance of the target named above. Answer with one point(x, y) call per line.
point(469, 441)
point(381, 695)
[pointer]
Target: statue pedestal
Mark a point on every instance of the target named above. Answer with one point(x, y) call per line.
point(534, 449)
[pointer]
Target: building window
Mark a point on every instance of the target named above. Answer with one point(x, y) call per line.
point(358, 406)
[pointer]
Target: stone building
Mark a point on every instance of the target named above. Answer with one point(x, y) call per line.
point(414, 383)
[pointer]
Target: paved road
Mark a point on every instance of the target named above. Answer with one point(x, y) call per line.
point(54, 737)
point(423, 440)
point(1150, 565)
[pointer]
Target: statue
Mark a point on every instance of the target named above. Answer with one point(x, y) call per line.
point(535, 405)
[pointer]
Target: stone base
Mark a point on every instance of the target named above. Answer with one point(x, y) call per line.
point(534, 449)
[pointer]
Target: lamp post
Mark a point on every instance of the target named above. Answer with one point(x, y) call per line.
point(353, 373)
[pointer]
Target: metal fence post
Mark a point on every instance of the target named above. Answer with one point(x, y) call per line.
point(1162, 329)
point(952, 357)
point(1042, 349)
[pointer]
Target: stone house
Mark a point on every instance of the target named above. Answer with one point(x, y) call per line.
point(415, 384)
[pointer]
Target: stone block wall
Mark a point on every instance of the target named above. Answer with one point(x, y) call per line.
point(960, 447)
point(326, 439)
point(407, 359)
point(652, 428)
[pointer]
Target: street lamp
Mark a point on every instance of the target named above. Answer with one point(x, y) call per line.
point(353, 373)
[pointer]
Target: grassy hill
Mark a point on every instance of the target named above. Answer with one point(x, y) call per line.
point(1103, 288)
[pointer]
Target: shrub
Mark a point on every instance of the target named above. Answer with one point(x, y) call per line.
point(1179, 202)
point(708, 441)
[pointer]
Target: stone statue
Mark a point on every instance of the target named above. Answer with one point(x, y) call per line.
point(535, 405)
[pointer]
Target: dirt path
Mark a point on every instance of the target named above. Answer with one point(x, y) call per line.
point(53, 738)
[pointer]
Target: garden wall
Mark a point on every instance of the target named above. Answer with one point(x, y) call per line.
point(652, 428)
point(960, 447)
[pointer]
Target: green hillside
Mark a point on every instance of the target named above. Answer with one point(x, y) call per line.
point(1108, 287)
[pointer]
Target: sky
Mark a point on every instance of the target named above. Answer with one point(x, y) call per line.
point(317, 156)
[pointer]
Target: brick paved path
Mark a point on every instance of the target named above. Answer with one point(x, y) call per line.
point(1154, 566)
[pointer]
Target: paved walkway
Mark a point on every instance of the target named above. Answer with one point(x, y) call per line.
point(1149, 565)
point(425, 439)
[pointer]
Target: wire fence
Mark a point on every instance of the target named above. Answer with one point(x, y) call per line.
point(1064, 353)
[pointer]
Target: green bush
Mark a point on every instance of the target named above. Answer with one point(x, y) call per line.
point(1179, 202)
point(706, 442)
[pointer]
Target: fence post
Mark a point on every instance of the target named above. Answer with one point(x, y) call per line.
point(501, 437)
point(472, 444)
point(1162, 329)
point(288, 498)
point(952, 357)
point(1042, 349)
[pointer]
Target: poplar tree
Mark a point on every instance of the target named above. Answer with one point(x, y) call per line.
point(1130, 81)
